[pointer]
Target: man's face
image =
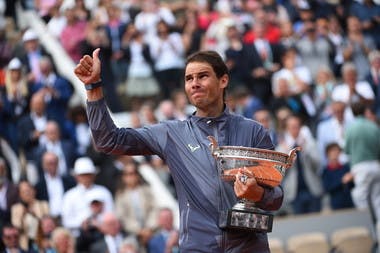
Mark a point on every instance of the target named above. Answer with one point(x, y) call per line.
point(203, 88)
point(52, 132)
point(338, 109)
point(263, 118)
point(10, 237)
point(293, 126)
point(350, 77)
point(85, 179)
point(111, 226)
point(165, 219)
point(50, 164)
point(31, 45)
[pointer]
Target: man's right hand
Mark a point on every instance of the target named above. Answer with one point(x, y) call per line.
point(88, 68)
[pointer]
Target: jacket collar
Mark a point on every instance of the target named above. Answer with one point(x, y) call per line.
point(222, 117)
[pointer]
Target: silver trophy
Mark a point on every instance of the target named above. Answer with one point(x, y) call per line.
point(267, 166)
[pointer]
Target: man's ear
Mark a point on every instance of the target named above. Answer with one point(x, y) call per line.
point(224, 81)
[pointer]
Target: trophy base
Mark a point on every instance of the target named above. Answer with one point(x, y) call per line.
point(248, 220)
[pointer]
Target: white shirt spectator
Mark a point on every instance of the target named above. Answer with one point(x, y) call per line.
point(342, 92)
point(146, 21)
point(55, 191)
point(300, 72)
point(113, 243)
point(56, 25)
point(76, 207)
point(168, 54)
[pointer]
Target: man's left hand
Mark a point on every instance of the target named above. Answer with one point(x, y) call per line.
point(247, 187)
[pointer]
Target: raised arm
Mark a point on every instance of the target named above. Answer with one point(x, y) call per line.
point(88, 71)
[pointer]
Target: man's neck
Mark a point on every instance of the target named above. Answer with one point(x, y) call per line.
point(210, 112)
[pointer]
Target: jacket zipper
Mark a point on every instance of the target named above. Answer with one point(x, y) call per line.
point(186, 222)
point(220, 207)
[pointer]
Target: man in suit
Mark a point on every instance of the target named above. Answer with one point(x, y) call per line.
point(51, 186)
point(166, 237)
point(63, 148)
point(10, 239)
point(113, 237)
point(57, 91)
point(32, 53)
point(262, 60)
point(8, 194)
point(302, 183)
point(31, 127)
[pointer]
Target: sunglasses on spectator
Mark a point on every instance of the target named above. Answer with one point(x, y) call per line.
point(11, 236)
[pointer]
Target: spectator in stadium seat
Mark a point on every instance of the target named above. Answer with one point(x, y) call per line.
point(357, 45)
point(10, 192)
point(352, 90)
point(314, 49)
point(75, 204)
point(55, 143)
point(113, 235)
point(261, 59)
point(161, 241)
point(333, 130)
point(26, 214)
point(52, 186)
point(135, 205)
point(31, 127)
point(10, 238)
point(56, 90)
point(302, 182)
point(33, 50)
point(15, 101)
point(338, 190)
point(168, 55)
point(63, 241)
point(73, 34)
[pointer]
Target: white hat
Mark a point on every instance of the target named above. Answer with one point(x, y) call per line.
point(95, 195)
point(15, 63)
point(84, 165)
point(29, 35)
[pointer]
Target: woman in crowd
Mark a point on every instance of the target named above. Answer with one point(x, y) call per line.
point(135, 205)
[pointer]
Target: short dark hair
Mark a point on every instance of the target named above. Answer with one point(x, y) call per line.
point(358, 108)
point(212, 58)
point(330, 146)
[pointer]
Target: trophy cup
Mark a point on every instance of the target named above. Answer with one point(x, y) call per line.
point(268, 168)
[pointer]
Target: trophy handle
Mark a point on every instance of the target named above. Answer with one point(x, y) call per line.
point(292, 157)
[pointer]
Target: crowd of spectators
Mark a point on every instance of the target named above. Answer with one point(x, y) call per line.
point(306, 70)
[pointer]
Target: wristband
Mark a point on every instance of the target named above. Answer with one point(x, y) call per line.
point(92, 86)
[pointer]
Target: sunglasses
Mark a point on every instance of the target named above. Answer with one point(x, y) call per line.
point(13, 236)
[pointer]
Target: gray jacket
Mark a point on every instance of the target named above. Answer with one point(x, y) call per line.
point(202, 195)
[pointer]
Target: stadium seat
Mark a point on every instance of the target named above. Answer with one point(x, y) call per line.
point(276, 245)
point(315, 242)
point(352, 240)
